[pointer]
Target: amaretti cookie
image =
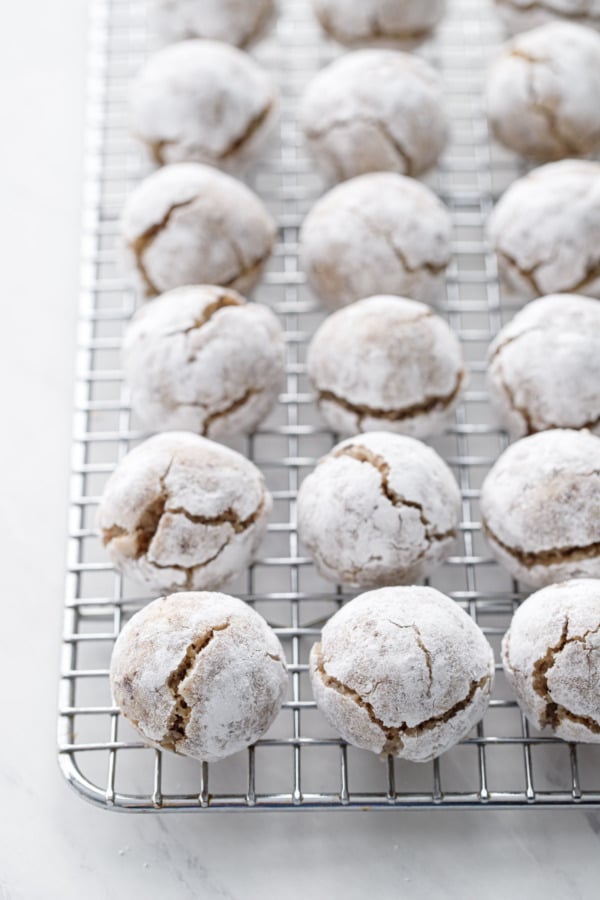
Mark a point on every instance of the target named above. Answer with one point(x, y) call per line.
point(544, 366)
point(200, 674)
point(375, 110)
point(203, 359)
point(551, 656)
point(386, 363)
point(546, 230)
point(181, 512)
point(380, 509)
point(542, 93)
point(521, 15)
point(202, 101)
point(402, 671)
point(540, 507)
point(380, 233)
point(191, 224)
point(235, 21)
point(402, 23)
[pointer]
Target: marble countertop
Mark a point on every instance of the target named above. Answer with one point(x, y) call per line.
point(53, 845)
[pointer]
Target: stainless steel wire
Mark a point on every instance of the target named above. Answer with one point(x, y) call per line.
point(301, 763)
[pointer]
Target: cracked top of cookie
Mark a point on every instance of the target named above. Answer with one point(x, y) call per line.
point(521, 15)
point(380, 233)
point(400, 667)
point(191, 224)
point(202, 101)
point(375, 110)
point(551, 656)
point(544, 366)
point(386, 361)
point(403, 22)
point(546, 230)
point(542, 89)
point(201, 674)
point(542, 497)
point(235, 21)
point(203, 359)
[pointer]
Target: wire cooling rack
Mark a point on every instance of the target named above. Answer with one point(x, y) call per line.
point(300, 763)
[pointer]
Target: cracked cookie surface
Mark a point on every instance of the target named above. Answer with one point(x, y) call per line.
point(202, 101)
point(380, 233)
point(522, 15)
point(379, 509)
point(236, 22)
point(402, 23)
point(543, 368)
point(188, 223)
point(546, 230)
point(181, 512)
point(200, 674)
point(402, 671)
point(374, 110)
point(386, 363)
point(201, 359)
point(540, 506)
point(542, 90)
point(551, 656)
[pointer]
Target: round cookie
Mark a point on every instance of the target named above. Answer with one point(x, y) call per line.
point(386, 363)
point(376, 234)
point(403, 23)
point(200, 674)
point(551, 656)
point(202, 359)
point(375, 110)
point(191, 224)
point(521, 15)
point(542, 90)
point(546, 230)
point(380, 509)
point(540, 507)
point(235, 21)
point(402, 671)
point(202, 101)
point(180, 512)
point(544, 366)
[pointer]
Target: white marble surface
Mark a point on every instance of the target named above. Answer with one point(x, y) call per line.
point(52, 845)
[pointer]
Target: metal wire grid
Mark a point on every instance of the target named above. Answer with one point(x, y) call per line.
point(300, 763)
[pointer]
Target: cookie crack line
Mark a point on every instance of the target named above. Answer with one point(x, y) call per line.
point(142, 242)
point(396, 734)
point(421, 646)
point(375, 31)
point(554, 556)
point(362, 411)
point(592, 273)
point(431, 267)
point(381, 127)
point(364, 455)
point(564, 14)
point(567, 148)
point(177, 723)
point(236, 404)
point(222, 302)
point(554, 713)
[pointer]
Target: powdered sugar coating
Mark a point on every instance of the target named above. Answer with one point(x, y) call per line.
point(389, 363)
point(181, 512)
point(521, 15)
point(402, 670)
point(375, 110)
point(546, 230)
point(379, 509)
point(551, 656)
point(390, 22)
point(380, 233)
point(191, 224)
point(236, 21)
point(200, 674)
point(542, 90)
point(202, 359)
point(540, 505)
point(202, 101)
point(544, 366)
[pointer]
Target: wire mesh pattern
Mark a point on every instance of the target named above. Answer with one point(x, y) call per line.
point(301, 762)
